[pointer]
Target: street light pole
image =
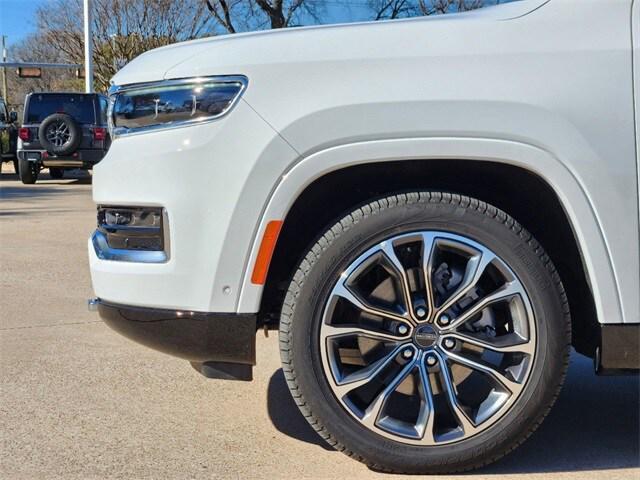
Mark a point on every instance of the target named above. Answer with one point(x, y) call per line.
point(113, 51)
point(4, 69)
point(88, 48)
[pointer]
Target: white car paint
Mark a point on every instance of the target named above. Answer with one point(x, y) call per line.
point(545, 85)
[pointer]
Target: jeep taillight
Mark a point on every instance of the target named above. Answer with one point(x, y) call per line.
point(24, 134)
point(99, 133)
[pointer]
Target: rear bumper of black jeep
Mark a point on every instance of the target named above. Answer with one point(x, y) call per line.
point(219, 345)
point(83, 158)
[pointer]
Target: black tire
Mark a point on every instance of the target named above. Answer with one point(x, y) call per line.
point(16, 166)
point(56, 173)
point(347, 240)
point(72, 132)
point(28, 171)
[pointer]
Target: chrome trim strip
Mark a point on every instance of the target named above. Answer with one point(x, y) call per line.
point(104, 252)
point(114, 90)
point(62, 163)
point(92, 304)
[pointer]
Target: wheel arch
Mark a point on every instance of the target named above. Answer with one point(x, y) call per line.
point(525, 181)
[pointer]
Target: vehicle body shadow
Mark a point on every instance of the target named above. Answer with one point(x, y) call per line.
point(28, 191)
point(285, 415)
point(70, 181)
point(45, 186)
point(594, 425)
point(8, 176)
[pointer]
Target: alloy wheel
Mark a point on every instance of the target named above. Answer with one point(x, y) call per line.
point(427, 338)
point(58, 133)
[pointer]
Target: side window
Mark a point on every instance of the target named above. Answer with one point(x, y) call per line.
point(4, 115)
point(104, 105)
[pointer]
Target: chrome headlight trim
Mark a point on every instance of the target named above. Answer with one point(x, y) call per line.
point(116, 90)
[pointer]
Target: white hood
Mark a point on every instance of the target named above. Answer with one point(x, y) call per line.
point(230, 54)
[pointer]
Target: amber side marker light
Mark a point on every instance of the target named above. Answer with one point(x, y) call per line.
point(267, 246)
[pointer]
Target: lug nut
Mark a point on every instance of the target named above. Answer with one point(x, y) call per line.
point(402, 329)
point(449, 343)
point(431, 360)
point(421, 312)
point(444, 320)
point(407, 353)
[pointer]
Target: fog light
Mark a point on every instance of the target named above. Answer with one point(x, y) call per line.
point(132, 228)
point(115, 217)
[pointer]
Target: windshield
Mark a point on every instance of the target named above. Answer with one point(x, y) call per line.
point(80, 107)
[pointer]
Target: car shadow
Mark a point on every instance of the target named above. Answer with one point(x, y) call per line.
point(44, 187)
point(28, 191)
point(8, 176)
point(594, 425)
point(284, 413)
point(70, 181)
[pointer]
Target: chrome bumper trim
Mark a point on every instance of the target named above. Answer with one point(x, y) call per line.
point(62, 163)
point(104, 252)
point(92, 304)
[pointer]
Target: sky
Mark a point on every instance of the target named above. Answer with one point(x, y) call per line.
point(16, 18)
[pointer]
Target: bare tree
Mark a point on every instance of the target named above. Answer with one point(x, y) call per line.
point(391, 9)
point(244, 15)
point(431, 7)
point(122, 29)
point(34, 49)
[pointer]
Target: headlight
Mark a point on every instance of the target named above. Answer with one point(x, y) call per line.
point(172, 103)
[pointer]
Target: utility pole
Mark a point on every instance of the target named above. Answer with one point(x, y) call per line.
point(88, 48)
point(113, 51)
point(4, 69)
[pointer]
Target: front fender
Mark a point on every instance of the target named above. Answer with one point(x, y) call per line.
point(569, 190)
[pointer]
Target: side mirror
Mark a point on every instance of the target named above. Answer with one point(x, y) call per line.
point(13, 117)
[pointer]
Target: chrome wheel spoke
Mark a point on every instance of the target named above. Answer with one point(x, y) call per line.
point(342, 291)
point(505, 292)
point(501, 346)
point(424, 426)
point(486, 369)
point(332, 331)
point(474, 270)
point(428, 244)
point(399, 270)
point(465, 423)
point(364, 375)
point(372, 413)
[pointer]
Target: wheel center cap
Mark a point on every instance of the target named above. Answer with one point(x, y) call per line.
point(425, 336)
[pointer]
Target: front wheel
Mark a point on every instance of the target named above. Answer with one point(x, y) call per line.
point(28, 171)
point(425, 333)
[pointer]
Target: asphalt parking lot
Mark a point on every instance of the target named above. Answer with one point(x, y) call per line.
point(78, 401)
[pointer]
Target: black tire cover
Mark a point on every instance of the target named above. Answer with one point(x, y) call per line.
point(74, 130)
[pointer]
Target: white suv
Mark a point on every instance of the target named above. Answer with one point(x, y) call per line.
point(432, 212)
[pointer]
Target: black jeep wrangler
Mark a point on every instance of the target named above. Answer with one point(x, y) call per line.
point(62, 131)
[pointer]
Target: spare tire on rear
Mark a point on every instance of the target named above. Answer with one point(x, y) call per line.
point(59, 134)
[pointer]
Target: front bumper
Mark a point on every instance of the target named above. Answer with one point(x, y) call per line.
point(222, 342)
point(209, 181)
